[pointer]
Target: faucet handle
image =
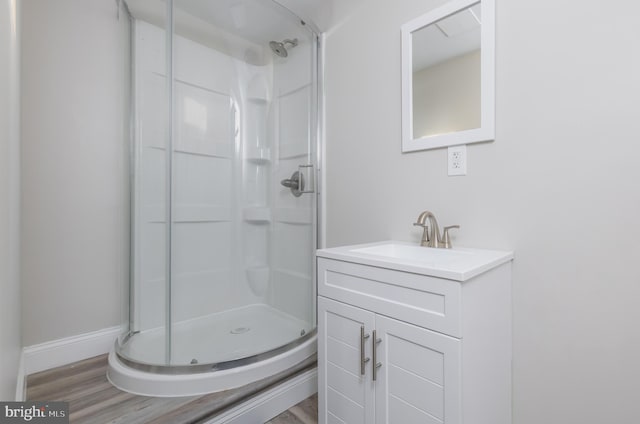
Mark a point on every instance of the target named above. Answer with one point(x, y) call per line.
point(446, 241)
point(424, 240)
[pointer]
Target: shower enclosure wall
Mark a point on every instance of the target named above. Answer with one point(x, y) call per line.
point(223, 232)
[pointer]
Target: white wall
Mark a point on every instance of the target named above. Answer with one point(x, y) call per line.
point(73, 165)
point(559, 186)
point(10, 339)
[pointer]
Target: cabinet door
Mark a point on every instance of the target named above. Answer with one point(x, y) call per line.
point(345, 395)
point(418, 380)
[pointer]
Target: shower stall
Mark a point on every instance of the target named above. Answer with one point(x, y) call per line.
point(224, 195)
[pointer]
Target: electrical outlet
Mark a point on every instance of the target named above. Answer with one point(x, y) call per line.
point(457, 160)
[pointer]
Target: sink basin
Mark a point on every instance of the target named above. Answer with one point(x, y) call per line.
point(415, 253)
point(458, 264)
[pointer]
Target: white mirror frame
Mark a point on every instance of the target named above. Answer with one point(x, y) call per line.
point(486, 132)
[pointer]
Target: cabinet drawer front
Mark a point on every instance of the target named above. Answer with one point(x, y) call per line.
point(429, 302)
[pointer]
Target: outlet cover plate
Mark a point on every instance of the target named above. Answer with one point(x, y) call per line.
point(457, 160)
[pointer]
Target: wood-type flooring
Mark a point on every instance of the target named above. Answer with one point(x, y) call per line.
point(93, 400)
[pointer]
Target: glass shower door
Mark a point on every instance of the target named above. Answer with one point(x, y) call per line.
point(295, 196)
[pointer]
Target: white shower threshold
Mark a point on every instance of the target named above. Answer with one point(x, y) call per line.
point(227, 336)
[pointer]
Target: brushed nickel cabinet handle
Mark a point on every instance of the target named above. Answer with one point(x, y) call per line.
point(376, 365)
point(363, 360)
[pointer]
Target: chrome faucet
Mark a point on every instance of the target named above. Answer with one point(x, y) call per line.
point(431, 232)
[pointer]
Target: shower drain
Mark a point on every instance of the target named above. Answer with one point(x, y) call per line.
point(240, 330)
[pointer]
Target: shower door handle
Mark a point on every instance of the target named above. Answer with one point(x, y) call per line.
point(306, 173)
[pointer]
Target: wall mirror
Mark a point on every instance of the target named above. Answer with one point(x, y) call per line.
point(448, 76)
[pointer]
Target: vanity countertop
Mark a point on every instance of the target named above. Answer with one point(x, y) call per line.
point(458, 263)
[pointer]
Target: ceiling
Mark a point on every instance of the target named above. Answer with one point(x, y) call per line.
point(225, 22)
point(450, 37)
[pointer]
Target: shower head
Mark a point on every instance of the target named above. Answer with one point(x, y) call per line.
point(279, 47)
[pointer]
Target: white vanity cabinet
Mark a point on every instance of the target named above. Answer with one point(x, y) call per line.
point(397, 345)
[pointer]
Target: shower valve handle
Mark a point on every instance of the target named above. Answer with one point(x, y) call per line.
point(292, 182)
point(295, 183)
point(302, 181)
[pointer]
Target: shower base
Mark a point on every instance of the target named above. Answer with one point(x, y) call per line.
point(217, 352)
point(221, 337)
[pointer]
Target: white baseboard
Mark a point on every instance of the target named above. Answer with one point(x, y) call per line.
point(21, 380)
point(65, 351)
point(272, 402)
